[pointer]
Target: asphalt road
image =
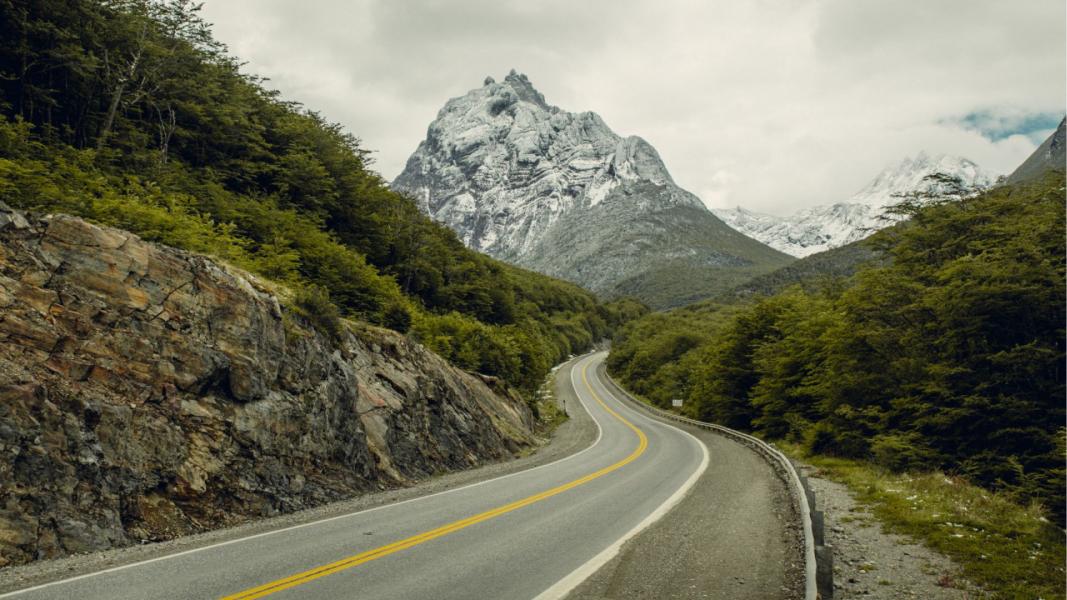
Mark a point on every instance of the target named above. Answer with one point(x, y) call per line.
point(532, 534)
point(736, 535)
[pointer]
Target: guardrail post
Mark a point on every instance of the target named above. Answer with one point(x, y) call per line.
point(817, 524)
point(824, 571)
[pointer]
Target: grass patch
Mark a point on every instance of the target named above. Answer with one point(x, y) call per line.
point(546, 407)
point(1012, 551)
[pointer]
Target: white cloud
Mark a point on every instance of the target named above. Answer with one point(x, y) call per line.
point(770, 104)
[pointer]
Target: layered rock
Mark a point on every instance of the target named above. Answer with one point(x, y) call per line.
point(146, 393)
point(561, 193)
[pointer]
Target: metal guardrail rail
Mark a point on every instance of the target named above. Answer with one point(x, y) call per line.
point(818, 558)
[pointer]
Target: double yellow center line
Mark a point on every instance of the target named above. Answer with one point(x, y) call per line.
point(365, 557)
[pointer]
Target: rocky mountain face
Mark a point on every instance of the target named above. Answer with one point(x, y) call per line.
point(1051, 155)
point(561, 193)
point(147, 393)
point(821, 228)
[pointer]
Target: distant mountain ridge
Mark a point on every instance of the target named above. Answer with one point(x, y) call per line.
point(817, 269)
point(561, 193)
point(822, 228)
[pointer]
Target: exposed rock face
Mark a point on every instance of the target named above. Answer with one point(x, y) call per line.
point(544, 188)
point(821, 228)
point(147, 393)
point(1049, 156)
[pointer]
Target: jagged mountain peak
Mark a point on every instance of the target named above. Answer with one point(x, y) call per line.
point(525, 90)
point(500, 165)
point(524, 181)
point(912, 174)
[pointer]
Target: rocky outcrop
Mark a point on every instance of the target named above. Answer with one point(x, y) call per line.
point(561, 193)
point(147, 393)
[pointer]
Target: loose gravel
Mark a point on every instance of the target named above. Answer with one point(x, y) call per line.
point(871, 564)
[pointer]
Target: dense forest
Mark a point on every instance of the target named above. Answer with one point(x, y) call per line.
point(129, 113)
point(947, 352)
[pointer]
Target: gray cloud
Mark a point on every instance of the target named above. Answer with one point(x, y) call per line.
point(770, 104)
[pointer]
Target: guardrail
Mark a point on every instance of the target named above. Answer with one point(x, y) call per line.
point(818, 558)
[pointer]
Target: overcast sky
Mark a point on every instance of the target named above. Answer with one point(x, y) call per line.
point(773, 105)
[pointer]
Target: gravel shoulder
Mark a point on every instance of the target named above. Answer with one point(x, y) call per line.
point(734, 536)
point(571, 436)
point(872, 564)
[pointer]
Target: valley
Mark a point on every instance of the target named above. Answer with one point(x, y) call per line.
point(238, 361)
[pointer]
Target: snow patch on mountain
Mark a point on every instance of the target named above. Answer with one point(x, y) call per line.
point(811, 230)
point(821, 228)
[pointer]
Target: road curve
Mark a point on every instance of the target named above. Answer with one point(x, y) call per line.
point(532, 534)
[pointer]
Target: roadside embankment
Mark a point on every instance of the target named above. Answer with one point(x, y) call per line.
point(147, 393)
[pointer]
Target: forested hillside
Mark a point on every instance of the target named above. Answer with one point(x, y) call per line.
point(129, 113)
point(948, 354)
point(811, 272)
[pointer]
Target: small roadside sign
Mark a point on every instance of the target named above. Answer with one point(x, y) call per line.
point(676, 403)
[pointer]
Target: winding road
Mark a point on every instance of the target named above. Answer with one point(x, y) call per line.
point(536, 533)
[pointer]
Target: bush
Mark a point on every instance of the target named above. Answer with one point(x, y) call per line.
point(903, 452)
point(313, 303)
point(261, 182)
point(826, 439)
point(398, 318)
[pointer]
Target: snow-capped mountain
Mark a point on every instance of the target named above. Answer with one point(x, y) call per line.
point(913, 175)
point(561, 193)
point(500, 166)
point(808, 231)
point(821, 228)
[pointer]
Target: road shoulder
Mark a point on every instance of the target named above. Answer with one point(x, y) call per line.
point(735, 535)
point(872, 564)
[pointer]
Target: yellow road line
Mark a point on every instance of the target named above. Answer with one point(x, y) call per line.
point(365, 557)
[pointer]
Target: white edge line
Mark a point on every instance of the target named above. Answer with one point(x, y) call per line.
point(596, 442)
point(810, 585)
point(564, 586)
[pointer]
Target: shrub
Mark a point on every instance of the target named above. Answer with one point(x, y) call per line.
point(398, 318)
point(903, 452)
point(313, 303)
point(827, 439)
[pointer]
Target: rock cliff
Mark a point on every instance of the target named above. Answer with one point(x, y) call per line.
point(146, 393)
